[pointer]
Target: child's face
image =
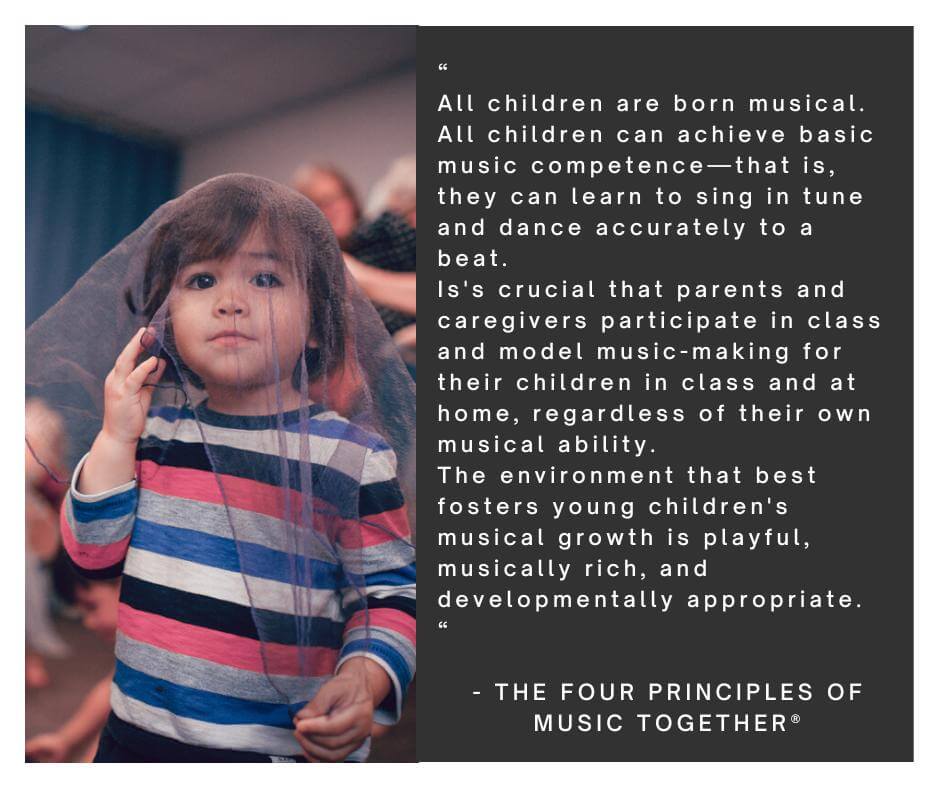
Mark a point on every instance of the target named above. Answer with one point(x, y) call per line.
point(232, 319)
point(98, 604)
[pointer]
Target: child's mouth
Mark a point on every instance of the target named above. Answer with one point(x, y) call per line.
point(231, 339)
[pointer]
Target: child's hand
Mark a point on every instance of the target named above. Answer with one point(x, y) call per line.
point(126, 397)
point(48, 748)
point(339, 718)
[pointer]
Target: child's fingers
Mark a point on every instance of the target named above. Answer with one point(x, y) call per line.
point(333, 724)
point(330, 756)
point(332, 694)
point(319, 753)
point(333, 742)
point(306, 745)
point(154, 377)
point(148, 368)
point(147, 390)
point(125, 360)
point(148, 339)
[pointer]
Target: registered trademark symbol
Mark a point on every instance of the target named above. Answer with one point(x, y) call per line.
point(795, 718)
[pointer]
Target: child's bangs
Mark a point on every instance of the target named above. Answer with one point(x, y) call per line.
point(216, 231)
point(285, 240)
point(223, 215)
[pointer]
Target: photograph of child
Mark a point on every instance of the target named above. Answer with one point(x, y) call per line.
point(238, 444)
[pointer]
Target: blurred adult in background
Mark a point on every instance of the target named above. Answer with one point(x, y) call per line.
point(397, 191)
point(389, 276)
point(98, 602)
point(381, 251)
point(330, 190)
point(45, 433)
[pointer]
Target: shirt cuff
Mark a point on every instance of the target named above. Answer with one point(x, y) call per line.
point(96, 497)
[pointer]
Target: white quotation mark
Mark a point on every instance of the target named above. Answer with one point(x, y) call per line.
point(442, 67)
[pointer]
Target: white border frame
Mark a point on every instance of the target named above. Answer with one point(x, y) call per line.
point(926, 768)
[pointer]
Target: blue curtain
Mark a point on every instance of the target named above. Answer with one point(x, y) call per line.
point(86, 189)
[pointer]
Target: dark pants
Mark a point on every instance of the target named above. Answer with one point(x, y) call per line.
point(161, 750)
point(109, 751)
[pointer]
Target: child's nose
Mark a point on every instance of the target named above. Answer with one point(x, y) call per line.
point(231, 304)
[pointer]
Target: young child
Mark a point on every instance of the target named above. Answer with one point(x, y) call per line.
point(44, 431)
point(268, 596)
point(97, 601)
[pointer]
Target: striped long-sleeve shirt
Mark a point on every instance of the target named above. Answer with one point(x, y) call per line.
point(218, 646)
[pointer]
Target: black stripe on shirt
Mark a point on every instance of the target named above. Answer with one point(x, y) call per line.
point(326, 483)
point(230, 617)
point(402, 603)
point(107, 573)
point(380, 497)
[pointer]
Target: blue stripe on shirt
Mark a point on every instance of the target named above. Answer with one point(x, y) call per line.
point(246, 557)
point(333, 428)
point(202, 704)
point(111, 508)
point(397, 577)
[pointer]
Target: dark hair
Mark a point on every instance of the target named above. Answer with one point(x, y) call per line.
point(212, 221)
point(67, 580)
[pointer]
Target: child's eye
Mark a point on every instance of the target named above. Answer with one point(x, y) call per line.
point(201, 281)
point(265, 280)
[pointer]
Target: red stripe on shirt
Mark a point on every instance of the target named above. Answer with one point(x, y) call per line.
point(252, 496)
point(224, 648)
point(91, 556)
point(386, 618)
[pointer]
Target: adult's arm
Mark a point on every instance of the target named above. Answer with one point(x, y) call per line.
point(394, 289)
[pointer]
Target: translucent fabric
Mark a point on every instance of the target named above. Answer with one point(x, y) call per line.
point(284, 411)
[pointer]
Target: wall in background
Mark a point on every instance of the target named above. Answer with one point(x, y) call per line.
point(86, 189)
point(360, 131)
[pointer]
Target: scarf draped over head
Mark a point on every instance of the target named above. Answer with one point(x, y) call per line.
point(330, 428)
